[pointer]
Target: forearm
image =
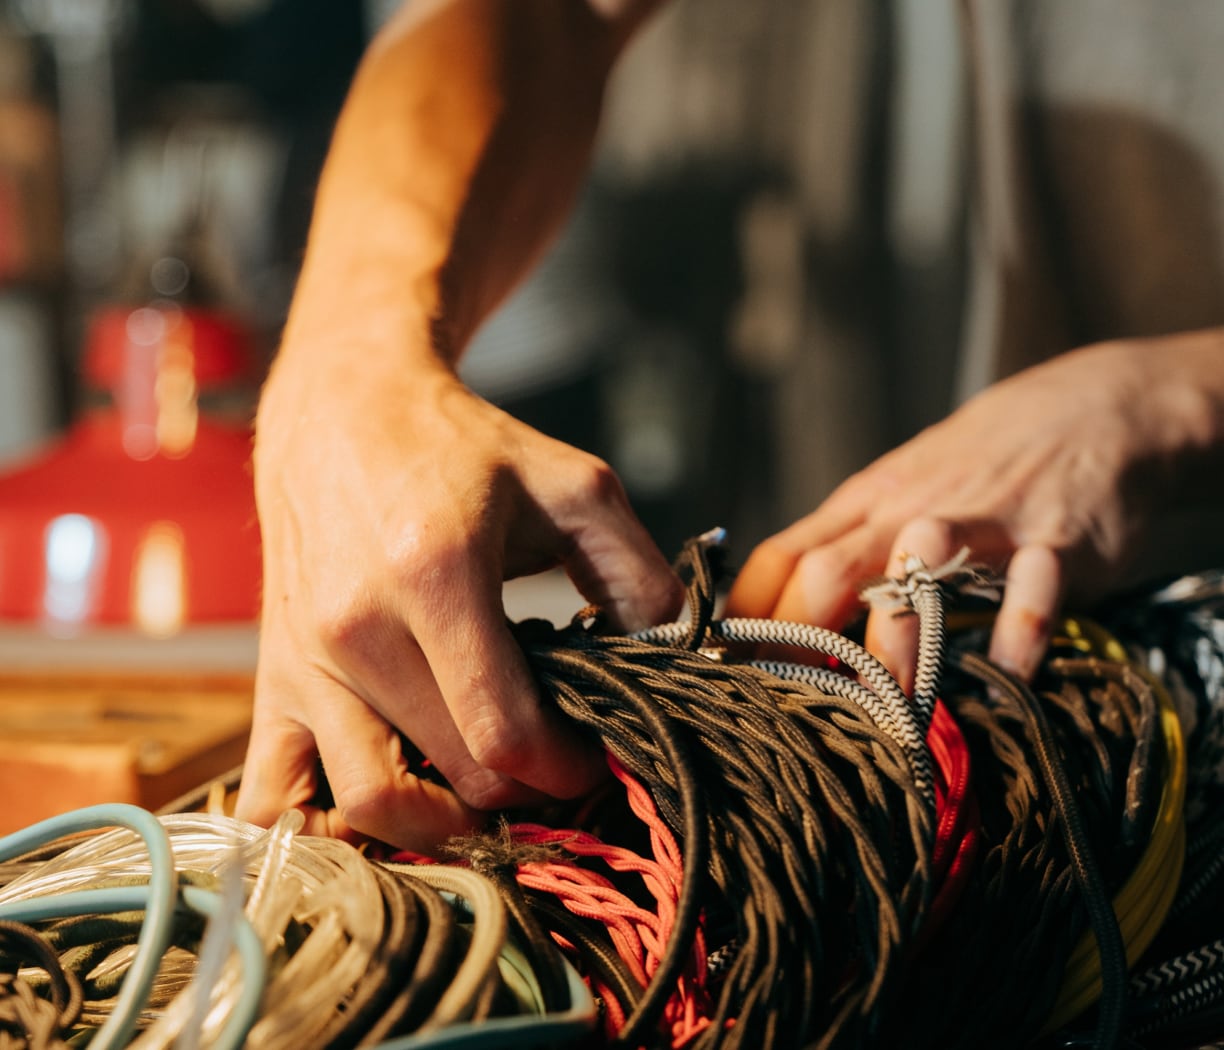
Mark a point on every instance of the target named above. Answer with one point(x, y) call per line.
point(464, 139)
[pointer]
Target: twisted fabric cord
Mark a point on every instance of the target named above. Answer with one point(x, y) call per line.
point(1087, 874)
point(637, 933)
point(817, 639)
point(819, 837)
point(618, 991)
point(922, 590)
point(1022, 892)
point(570, 664)
point(27, 1020)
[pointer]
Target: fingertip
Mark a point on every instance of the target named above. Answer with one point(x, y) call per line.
point(760, 583)
point(893, 635)
point(1034, 591)
point(279, 772)
point(824, 587)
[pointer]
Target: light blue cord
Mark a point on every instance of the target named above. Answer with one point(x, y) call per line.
point(254, 966)
point(136, 898)
point(157, 899)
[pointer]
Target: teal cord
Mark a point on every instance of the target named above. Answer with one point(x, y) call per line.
point(158, 900)
point(137, 898)
point(254, 967)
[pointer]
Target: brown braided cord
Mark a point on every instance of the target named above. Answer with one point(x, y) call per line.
point(28, 1020)
point(819, 839)
point(992, 974)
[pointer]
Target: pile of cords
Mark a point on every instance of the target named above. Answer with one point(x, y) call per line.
point(1070, 802)
point(1080, 782)
point(791, 853)
point(1176, 992)
point(804, 800)
point(309, 943)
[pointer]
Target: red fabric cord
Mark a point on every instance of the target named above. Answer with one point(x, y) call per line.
point(957, 831)
point(640, 936)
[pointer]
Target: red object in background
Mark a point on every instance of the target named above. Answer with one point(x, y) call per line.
point(144, 513)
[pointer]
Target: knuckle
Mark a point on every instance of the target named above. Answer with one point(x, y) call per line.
point(824, 567)
point(363, 805)
point(597, 482)
point(779, 547)
point(929, 529)
point(421, 567)
point(484, 790)
point(926, 536)
point(342, 618)
point(496, 742)
point(425, 563)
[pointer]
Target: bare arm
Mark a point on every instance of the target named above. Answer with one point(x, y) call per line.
point(393, 502)
point(466, 134)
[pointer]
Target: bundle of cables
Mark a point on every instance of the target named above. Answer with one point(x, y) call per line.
point(1176, 992)
point(310, 944)
point(791, 853)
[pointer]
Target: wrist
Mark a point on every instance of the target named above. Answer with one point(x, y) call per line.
point(1186, 398)
point(1167, 395)
point(349, 379)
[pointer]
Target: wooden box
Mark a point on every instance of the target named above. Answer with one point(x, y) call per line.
point(79, 738)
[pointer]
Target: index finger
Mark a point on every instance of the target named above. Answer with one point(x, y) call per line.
point(767, 581)
point(491, 696)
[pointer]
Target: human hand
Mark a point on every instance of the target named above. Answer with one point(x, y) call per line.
point(1053, 475)
point(392, 509)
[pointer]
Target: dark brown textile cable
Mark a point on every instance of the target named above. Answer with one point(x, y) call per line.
point(1023, 876)
point(27, 1020)
point(595, 949)
point(390, 966)
point(531, 937)
point(668, 756)
point(818, 843)
point(991, 975)
point(435, 962)
point(1084, 864)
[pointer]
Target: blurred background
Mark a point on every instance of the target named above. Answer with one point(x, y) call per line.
point(759, 291)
